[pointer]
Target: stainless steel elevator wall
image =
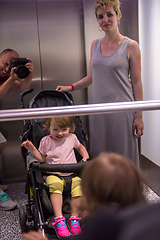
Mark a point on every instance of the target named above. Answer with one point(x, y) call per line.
point(55, 34)
point(51, 33)
point(18, 30)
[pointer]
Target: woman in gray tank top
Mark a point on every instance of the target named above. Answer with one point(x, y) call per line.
point(115, 75)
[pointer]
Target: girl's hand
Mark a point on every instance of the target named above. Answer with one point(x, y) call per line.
point(27, 144)
point(83, 160)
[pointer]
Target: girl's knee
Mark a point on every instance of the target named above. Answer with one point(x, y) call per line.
point(76, 190)
point(55, 184)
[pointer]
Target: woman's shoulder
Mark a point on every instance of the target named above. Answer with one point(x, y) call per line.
point(133, 47)
point(95, 41)
point(132, 42)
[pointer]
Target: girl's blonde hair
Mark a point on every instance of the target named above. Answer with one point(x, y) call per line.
point(113, 3)
point(61, 122)
point(111, 179)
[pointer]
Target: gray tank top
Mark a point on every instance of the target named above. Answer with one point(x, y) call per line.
point(110, 75)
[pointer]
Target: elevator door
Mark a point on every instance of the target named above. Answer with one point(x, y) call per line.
point(62, 46)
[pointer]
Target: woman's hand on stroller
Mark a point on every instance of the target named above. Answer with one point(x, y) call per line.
point(64, 88)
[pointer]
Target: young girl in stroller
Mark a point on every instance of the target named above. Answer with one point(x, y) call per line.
point(58, 148)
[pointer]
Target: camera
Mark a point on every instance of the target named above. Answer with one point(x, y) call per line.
point(21, 70)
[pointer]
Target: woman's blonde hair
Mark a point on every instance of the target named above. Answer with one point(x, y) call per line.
point(112, 179)
point(113, 3)
point(61, 122)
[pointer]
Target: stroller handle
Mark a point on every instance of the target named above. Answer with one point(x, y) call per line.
point(21, 96)
point(64, 168)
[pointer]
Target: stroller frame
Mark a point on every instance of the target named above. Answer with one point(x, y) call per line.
point(33, 217)
point(38, 211)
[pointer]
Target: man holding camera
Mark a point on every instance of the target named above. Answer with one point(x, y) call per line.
point(10, 80)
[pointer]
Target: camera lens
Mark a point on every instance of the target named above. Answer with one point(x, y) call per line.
point(22, 71)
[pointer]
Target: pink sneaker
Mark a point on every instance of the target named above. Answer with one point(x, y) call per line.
point(74, 225)
point(61, 227)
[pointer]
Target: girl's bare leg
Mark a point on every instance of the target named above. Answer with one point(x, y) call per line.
point(75, 206)
point(56, 200)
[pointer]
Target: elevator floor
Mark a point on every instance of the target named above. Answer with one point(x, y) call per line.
point(151, 172)
point(9, 220)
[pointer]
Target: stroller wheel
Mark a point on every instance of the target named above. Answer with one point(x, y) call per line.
point(23, 218)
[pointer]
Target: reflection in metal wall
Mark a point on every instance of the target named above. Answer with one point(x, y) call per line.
point(18, 30)
point(51, 32)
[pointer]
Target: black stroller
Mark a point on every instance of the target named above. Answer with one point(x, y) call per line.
point(38, 211)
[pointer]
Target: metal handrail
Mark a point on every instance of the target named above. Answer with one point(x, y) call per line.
point(87, 109)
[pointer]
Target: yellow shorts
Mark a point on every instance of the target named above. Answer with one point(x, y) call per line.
point(56, 185)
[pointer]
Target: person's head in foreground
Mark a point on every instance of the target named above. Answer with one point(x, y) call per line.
point(111, 179)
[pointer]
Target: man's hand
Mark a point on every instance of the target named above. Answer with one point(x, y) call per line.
point(13, 75)
point(30, 67)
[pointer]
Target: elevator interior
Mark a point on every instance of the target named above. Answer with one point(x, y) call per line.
point(56, 35)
